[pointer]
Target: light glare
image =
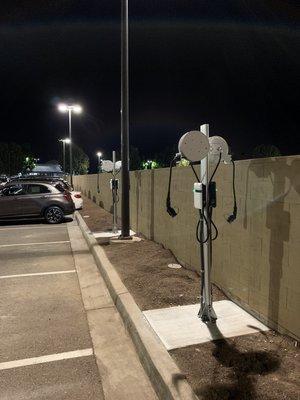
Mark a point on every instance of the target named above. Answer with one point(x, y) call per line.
point(62, 107)
point(77, 109)
point(99, 154)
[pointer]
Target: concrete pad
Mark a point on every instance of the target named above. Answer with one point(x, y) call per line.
point(105, 236)
point(75, 379)
point(180, 326)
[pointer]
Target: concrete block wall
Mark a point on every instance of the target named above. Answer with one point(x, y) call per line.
point(256, 259)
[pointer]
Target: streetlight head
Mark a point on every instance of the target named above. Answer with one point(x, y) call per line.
point(77, 109)
point(62, 107)
point(67, 141)
point(99, 154)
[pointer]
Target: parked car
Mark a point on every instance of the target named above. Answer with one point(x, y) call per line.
point(76, 196)
point(26, 199)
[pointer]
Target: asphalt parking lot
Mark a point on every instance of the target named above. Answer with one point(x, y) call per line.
point(45, 346)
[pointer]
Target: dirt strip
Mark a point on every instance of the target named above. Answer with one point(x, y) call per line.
point(265, 365)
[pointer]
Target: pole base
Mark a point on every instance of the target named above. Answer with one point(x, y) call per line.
point(207, 314)
point(121, 237)
point(127, 239)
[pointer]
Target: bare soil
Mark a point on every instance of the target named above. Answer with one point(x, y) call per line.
point(264, 365)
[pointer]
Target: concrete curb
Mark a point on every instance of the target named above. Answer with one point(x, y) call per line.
point(166, 378)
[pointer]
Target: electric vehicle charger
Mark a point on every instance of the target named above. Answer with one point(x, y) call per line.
point(199, 149)
point(114, 168)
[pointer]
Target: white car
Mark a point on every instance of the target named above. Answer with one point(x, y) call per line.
point(77, 199)
point(76, 196)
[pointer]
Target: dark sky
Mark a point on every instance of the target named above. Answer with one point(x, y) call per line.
point(233, 64)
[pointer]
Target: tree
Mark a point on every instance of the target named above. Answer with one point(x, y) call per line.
point(266, 150)
point(150, 164)
point(164, 158)
point(12, 158)
point(81, 161)
point(28, 164)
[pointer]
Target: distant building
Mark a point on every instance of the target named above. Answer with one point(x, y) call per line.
point(48, 169)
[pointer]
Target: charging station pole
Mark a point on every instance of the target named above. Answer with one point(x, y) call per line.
point(196, 146)
point(114, 190)
point(206, 313)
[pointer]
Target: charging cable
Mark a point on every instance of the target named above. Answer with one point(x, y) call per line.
point(170, 209)
point(233, 216)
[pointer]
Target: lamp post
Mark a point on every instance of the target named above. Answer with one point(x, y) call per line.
point(99, 155)
point(69, 108)
point(64, 142)
point(125, 230)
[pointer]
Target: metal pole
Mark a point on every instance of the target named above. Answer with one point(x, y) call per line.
point(125, 231)
point(64, 156)
point(9, 169)
point(98, 174)
point(206, 312)
point(70, 146)
point(115, 210)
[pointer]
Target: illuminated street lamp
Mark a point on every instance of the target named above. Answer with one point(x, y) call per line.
point(64, 142)
point(99, 155)
point(70, 108)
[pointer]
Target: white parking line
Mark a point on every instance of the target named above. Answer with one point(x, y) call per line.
point(33, 244)
point(15, 228)
point(46, 359)
point(70, 271)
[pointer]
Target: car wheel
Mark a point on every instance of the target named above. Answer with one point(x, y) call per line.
point(54, 215)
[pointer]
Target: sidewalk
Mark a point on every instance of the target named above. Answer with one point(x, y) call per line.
point(121, 372)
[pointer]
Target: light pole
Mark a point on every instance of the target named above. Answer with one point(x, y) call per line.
point(69, 108)
point(99, 155)
point(64, 142)
point(125, 230)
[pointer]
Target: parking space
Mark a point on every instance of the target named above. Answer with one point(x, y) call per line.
point(74, 379)
point(45, 343)
point(34, 234)
point(41, 258)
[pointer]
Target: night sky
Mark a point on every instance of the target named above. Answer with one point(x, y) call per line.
point(233, 64)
